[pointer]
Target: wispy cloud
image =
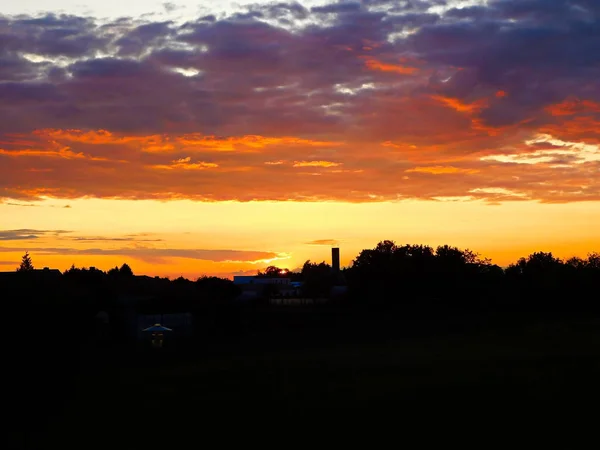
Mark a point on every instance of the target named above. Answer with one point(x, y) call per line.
point(33, 205)
point(170, 6)
point(374, 64)
point(29, 205)
point(26, 234)
point(9, 263)
point(152, 254)
point(186, 164)
point(113, 239)
point(324, 242)
point(316, 164)
point(440, 170)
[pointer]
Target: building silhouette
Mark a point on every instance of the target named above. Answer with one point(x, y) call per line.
point(335, 260)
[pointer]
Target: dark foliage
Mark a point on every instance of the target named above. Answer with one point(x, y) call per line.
point(26, 264)
point(53, 317)
point(318, 279)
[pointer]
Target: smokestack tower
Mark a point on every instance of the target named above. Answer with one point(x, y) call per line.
point(335, 260)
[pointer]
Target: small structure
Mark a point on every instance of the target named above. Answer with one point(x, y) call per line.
point(253, 287)
point(255, 279)
point(335, 260)
point(36, 275)
point(180, 323)
point(157, 331)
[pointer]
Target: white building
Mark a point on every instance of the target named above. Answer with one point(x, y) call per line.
point(253, 286)
point(240, 280)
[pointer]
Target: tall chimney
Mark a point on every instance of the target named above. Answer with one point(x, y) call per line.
point(335, 259)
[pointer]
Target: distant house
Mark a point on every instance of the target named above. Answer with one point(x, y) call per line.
point(293, 289)
point(48, 273)
point(277, 287)
point(338, 291)
point(180, 323)
point(243, 280)
point(250, 291)
point(45, 274)
point(138, 312)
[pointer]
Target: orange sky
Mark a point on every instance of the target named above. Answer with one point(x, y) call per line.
point(193, 238)
point(221, 145)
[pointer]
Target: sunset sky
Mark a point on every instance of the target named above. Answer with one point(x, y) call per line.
point(186, 138)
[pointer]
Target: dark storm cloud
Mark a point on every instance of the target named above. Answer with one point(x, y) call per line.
point(538, 51)
point(144, 37)
point(207, 18)
point(233, 56)
point(108, 68)
point(15, 68)
point(51, 35)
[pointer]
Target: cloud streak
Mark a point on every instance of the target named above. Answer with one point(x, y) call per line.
point(26, 234)
point(383, 100)
point(113, 239)
point(152, 254)
point(324, 242)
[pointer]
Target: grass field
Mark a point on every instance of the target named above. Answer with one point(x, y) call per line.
point(237, 390)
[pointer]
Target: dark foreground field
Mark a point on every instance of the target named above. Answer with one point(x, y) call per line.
point(253, 388)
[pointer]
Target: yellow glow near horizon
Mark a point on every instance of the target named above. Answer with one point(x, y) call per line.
point(287, 230)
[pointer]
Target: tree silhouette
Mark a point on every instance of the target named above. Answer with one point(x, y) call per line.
point(217, 290)
point(273, 272)
point(318, 279)
point(576, 263)
point(538, 266)
point(125, 271)
point(26, 264)
point(593, 261)
point(417, 274)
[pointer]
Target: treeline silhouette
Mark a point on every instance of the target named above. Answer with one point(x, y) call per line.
point(448, 278)
point(401, 280)
point(386, 276)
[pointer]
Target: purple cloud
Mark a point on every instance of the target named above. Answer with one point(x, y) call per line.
point(398, 85)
